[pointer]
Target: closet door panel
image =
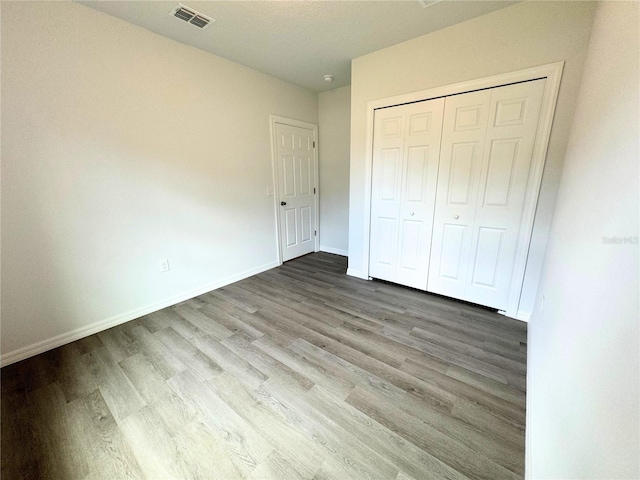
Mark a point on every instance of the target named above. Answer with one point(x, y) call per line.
point(405, 168)
point(459, 184)
point(486, 260)
point(454, 237)
point(420, 176)
point(463, 142)
point(411, 243)
point(510, 137)
point(386, 184)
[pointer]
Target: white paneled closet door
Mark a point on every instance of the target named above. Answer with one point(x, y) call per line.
point(405, 167)
point(487, 147)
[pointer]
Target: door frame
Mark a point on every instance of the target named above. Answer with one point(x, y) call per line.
point(273, 120)
point(553, 73)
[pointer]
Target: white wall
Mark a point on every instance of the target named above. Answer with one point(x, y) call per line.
point(120, 148)
point(524, 35)
point(583, 365)
point(334, 117)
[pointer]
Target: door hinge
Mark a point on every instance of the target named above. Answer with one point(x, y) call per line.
point(315, 233)
point(314, 144)
point(314, 190)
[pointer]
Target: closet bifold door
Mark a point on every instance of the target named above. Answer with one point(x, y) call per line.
point(487, 147)
point(406, 150)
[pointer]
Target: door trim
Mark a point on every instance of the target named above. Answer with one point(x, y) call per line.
point(552, 72)
point(273, 120)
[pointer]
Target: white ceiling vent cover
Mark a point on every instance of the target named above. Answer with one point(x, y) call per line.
point(189, 15)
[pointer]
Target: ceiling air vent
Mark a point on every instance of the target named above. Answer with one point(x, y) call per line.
point(189, 15)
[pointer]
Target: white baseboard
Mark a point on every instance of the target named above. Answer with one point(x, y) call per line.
point(336, 251)
point(356, 273)
point(99, 326)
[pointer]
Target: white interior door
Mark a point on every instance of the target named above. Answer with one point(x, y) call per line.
point(405, 168)
point(295, 170)
point(487, 146)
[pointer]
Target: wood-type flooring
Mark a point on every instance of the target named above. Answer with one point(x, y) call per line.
point(297, 373)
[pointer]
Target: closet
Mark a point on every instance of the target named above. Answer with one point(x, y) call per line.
point(449, 180)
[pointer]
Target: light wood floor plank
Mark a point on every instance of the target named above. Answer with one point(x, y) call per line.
point(246, 447)
point(96, 430)
point(271, 423)
point(347, 450)
point(455, 454)
point(116, 388)
point(399, 451)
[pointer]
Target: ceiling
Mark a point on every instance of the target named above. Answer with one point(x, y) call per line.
point(299, 41)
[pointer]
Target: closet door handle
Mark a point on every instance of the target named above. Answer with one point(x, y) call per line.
point(456, 216)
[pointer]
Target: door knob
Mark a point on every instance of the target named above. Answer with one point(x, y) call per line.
point(411, 214)
point(456, 216)
point(283, 203)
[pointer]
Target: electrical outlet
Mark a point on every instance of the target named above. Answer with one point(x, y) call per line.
point(164, 265)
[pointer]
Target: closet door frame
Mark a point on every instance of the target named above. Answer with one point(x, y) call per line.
point(553, 73)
